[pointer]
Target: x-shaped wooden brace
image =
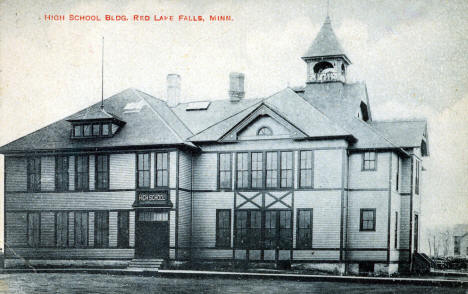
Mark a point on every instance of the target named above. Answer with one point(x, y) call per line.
point(247, 199)
point(278, 199)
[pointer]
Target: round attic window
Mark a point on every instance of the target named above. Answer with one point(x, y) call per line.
point(264, 131)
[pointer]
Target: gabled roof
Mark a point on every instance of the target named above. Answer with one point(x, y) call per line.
point(405, 134)
point(154, 124)
point(290, 107)
point(325, 44)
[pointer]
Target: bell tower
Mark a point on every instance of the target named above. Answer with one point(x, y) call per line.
point(325, 58)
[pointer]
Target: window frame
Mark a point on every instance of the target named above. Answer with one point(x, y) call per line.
point(78, 174)
point(66, 227)
point(301, 185)
point(138, 171)
point(34, 186)
point(125, 242)
point(364, 160)
point(269, 131)
point(417, 178)
point(361, 220)
point(35, 243)
point(158, 170)
point(274, 168)
point(260, 171)
point(97, 185)
point(242, 171)
point(220, 243)
point(287, 170)
point(65, 174)
point(103, 231)
point(226, 171)
point(301, 244)
point(77, 244)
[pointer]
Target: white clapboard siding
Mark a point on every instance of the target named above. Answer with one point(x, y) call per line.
point(185, 170)
point(205, 171)
point(172, 169)
point(367, 255)
point(404, 221)
point(92, 172)
point(185, 207)
point(113, 229)
point(212, 253)
point(328, 165)
point(204, 216)
point(326, 225)
point(71, 173)
point(71, 253)
point(172, 225)
point(366, 239)
point(16, 229)
point(16, 174)
point(47, 173)
point(122, 171)
point(378, 179)
point(131, 229)
point(405, 175)
point(47, 229)
point(91, 229)
point(69, 201)
point(316, 254)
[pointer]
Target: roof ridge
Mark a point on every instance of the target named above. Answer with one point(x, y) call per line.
point(137, 92)
point(376, 132)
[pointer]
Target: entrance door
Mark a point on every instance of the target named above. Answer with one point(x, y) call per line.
point(152, 235)
point(416, 232)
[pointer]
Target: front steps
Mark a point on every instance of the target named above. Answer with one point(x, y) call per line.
point(145, 264)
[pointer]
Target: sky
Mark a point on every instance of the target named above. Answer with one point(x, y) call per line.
point(411, 54)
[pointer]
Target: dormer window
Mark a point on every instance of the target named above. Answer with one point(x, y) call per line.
point(95, 124)
point(264, 131)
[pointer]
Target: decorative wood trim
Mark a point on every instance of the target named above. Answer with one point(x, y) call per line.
point(374, 221)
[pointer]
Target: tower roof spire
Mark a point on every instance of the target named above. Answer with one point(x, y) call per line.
point(326, 44)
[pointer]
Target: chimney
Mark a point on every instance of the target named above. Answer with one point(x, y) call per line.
point(173, 90)
point(236, 86)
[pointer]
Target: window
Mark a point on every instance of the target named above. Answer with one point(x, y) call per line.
point(397, 177)
point(61, 229)
point(101, 229)
point(241, 229)
point(82, 173)
point(161, 170)
point(34, 224)
point(456, 245)
point(286, 170)
point(367, 219)
point(96, 129)
point(416, 188)
point(105, 129)
point(123, 229)
point(152, 216)
point(242, 170)
point(257, 170)
point(34, 174)
point(264, 131)
point(143, 172)
point(306, 169)
point(271, 169)
point(78, 131)
point(81, 229)
point(369, 161)
point(270, 229)
point(86, 130)
point(102, 172)
point(304, 228)
point(396, 229)
point(223, 228)
point(225, 178)
point(61, 173)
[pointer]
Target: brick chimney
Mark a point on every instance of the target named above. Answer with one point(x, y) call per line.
point(236, 86)
point(173, 90)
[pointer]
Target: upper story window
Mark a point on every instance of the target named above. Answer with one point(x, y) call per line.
point(369, 161)
point(306, 169)
point(95, 123)
point(162, 178)
point(143, 170)
point(225, 174)
point(34, 174)
point(102, 172)
point(102, 129)
point(367, 222)
point(61, 173)
point(264, 131)
point(82, 173)
point(257, 170)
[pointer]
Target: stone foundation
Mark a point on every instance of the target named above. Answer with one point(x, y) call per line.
point(43, 263)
